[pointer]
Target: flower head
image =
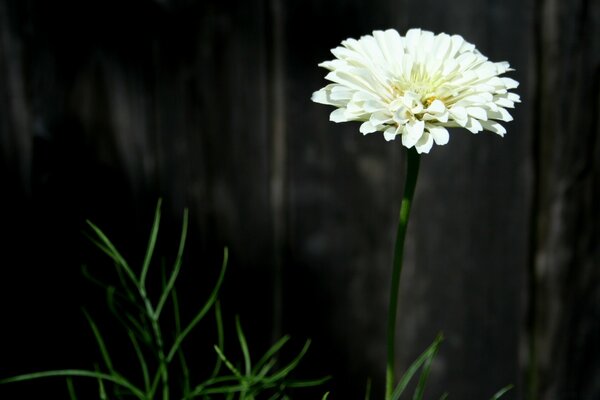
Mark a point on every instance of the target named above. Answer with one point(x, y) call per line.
point(416, 86)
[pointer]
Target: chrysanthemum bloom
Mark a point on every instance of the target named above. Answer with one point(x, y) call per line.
point(417, 86)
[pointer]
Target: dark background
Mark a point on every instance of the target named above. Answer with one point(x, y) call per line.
point(105, 106)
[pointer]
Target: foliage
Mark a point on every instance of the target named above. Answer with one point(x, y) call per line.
point(163, 367)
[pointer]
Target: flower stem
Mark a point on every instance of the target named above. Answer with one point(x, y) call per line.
point(412, 172)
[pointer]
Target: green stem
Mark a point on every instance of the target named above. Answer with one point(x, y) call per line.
point(412, 173)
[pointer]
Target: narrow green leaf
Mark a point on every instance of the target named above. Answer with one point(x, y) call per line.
point(420, 389)
point(325, 396)
point(444, 396)
point(156, 380)
point(243, 345)
point(282, 373)
point(225, 389)
point(141, 359)
point(228, 364)
point(199, 389)
point(176, 267)
point(501, 392)
point(265, 369)
point(112, 252)
point(100, 341)
point(220, 338)
point(116, 379)
point(101, 389)
point(151, 244)
point(307, 382)
point(368, 389)
point(71, 389)
point(271, 352)
point(414, 367)
point(209, 303)
point(182, 361)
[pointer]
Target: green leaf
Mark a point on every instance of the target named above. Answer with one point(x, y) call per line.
point(220, 338)
point(243, 345)
point(228, 364)
point(182, 361)
point(141, 359)
point(501, 392)
point(325, 396)
point(368, 389)
point(307, 382)
point(420, 389)
point(271, 352)
point(116, 379)
point(209, 303)
point(176, 267)
point(101, 345)
point(282, 373)
point(107, 247)
point(151, 244)
point(414, 367)
point(199, 389)
point(71, 389)
point(101, 389)
point(444, 396)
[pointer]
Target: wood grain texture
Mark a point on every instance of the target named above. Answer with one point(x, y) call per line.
point(565, 280)
point(108, 105)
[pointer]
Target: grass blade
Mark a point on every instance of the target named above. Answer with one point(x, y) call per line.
point(107, 247)
point(209, 303)
point(220, 338)
point(420, 389)
point(141, 359)
point(307, 383)
point(71, 389)
point(244, 346)
point(151, 244)
point(414, 367)
point(368, 389)
point(271, 352)
point(282, 373)
point(228, 364)
point(101, 389)
point(501, 392)
point(182, 361)
point(116, 379)
point(101, 345)
point(176, 267)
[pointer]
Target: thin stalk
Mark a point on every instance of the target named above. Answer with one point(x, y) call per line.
point(412, 172)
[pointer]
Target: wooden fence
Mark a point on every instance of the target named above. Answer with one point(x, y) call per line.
point(107, 105)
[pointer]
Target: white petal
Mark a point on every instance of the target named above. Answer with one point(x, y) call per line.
point(425, 143)
point(436, 107)
point(389, 134)
point(494, 127)
point(500, 114)
point(412, 132)
point(440, 134)
point(320, 96)
point(504, 102)
point(459, 114)
point(373, 106)
point(510, 83)
point(367, 127)
point(514, 97)
point(380, 118)
point(478, 113)
point(338, 115)
point(474, 125)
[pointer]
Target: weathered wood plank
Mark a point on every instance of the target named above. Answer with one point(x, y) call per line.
point(564, 297)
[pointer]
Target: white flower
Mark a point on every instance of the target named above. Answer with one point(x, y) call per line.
point(416, 86)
